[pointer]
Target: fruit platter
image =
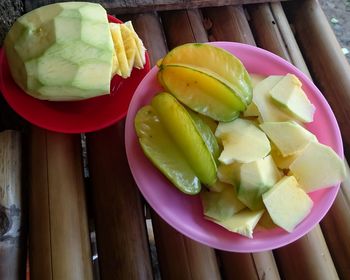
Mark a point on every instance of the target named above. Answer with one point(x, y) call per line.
point(230, 144)
point(239, 172)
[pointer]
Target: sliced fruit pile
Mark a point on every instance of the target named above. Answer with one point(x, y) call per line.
point(129, 50)
point(270, 161)
point(240, 135)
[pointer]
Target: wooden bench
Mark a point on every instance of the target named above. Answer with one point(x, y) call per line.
point(97, 225)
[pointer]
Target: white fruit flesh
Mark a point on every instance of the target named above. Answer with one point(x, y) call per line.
point(281, 161)
point(269, 112)
point(256, 78)
point(62, 51)
point(221, 205)
point(218, 186)
point(243, 222)
point(242, 141)
point(287, 203)
point(255, 179)
point(289, 137)
point(251, 111)
point(290, 96)
point(318, 166)
point(229, 173)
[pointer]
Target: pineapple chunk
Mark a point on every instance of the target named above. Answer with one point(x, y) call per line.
point(129, 45)
point(120, 49)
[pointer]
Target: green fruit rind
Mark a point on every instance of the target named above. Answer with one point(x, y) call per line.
point(163, 152)
point(207, 134)
point(201, 90)
point(181, 129)
point(61, 51)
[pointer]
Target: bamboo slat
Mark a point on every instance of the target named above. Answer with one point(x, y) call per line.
point(142, 6)
point(329, 67)
point(265, 30)
point(58, 230)
point(228, 24)
point(290, 43)
point(149, 28)
point(12, 228)
point(182, 27)
point(179, 257)
point(118, 211)
point(331, 72)
point(307, 258)
point(313, 247)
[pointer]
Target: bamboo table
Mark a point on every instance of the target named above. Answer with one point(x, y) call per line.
point(93, 226)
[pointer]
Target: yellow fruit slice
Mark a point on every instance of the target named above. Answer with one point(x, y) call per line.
point(115, 65)
point(201, 90)
point(119, 49)
point(140, 57)
point(217, 60)
point(129, 45)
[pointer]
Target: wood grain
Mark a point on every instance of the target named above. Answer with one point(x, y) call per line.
point(10, 10)
point(150, 30)
point(228, 24)
point(180, 257)
point(329, 67)
point(183, 27)
point(13, 247)
point(290, 43)
point(311, 258)
point(331, 73)
point(58, 230)
point(143, 6)
point(307, 258)
point(266, 31)
point(118, 212)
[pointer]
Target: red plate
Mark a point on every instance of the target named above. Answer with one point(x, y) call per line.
point(73, 116)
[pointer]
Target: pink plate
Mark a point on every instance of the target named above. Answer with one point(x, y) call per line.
point(73, 116)
point(184, 212)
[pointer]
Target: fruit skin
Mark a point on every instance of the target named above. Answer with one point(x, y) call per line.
point(287, 203)
point(229, 173)
point(163, 152)
point(242, 222)
point(255, 179)
point(206, 133)
point(268, 110)
point(216, 60)
point(180, 127)
point(289, 95)
point(221, 205)
point(61, 51)
point(201, 90)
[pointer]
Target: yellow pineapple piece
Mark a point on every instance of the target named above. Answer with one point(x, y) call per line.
point(120, 49)
point(140, 57)
point(129, 45)
point(115, 65)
